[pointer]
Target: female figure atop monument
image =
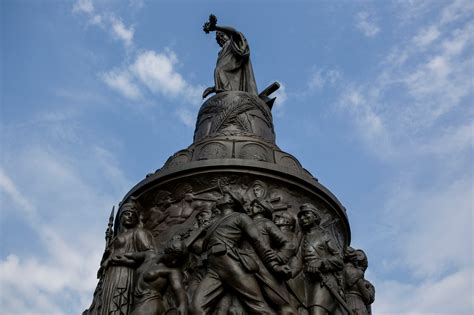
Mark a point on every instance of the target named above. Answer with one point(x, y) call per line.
point(233, 69)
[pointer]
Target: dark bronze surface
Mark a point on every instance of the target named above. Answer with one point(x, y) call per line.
point(232, 224)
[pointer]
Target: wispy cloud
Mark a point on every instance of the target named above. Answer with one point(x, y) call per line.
point(149, 70)
point(123, 82)
point(429, 297)
point(85, 6)
point(416, 116)
point(105, 20)
point(122, 32)
point(321, 78)
point(187, 117)
point(457, 10)
point(58, 190)
point(365, 22)
point(155, 72)
point(426, 36)
point(415, 88)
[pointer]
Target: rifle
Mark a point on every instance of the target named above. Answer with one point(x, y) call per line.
point(333, 291)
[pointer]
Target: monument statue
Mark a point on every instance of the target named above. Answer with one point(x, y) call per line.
point(231, 224)
point(233, 69)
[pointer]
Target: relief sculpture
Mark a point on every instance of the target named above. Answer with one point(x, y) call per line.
point(228, 267)
point(360, 293)
point(231, 224)
point(117, 270)
point(322, 265)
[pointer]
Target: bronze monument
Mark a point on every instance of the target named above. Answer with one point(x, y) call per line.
point(232, 224)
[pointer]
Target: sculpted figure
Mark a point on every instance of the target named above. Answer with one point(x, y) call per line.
point(233, 69)
point(117, 285)
point(195, 266)
point(157, 214)
point(178, 212)
point(287, 224)
point(258, 190)
point(274, 289)
point(360, 293)
point(228, 269)
point(321, 263)
point(155, 274)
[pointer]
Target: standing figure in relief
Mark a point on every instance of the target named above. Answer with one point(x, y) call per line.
point(287, 224)
point(233, 69)
point(321, 264)
point(117, 287)
point(360, 293)
point(274, 289)
point(229, 270)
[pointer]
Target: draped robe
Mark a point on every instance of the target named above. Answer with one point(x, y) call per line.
point(233, 69)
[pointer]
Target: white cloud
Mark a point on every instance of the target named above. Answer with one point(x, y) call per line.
point(84, 6)
point(426, 36)
point(187, 117)
point(366, 24)
point(42, 283)
point(417, 86)
point(449, 295)
point(60, 192)
point(122, 32)
point(8, 187)
point(433, 225)
point(157, 72)
point(418, 110)
point(368, 119)
point(321, 78)
point(105, 20)
point(456, 10)
point(122, 81)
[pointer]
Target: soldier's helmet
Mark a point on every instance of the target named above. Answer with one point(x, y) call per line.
point(130, 206)
point(266, 207)
point(236, 198)
point(308, 207)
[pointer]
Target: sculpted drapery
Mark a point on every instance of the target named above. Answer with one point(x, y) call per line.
point(234, 69)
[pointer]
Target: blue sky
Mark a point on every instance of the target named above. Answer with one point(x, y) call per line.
point(376, 103)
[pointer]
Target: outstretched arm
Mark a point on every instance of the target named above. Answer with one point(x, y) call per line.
point(211, 26)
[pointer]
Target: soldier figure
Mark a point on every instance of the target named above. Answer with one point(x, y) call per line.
point(274, 289)
point(321, 263)
point(229, 269)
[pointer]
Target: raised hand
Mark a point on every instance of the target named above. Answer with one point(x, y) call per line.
point(210, 25)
